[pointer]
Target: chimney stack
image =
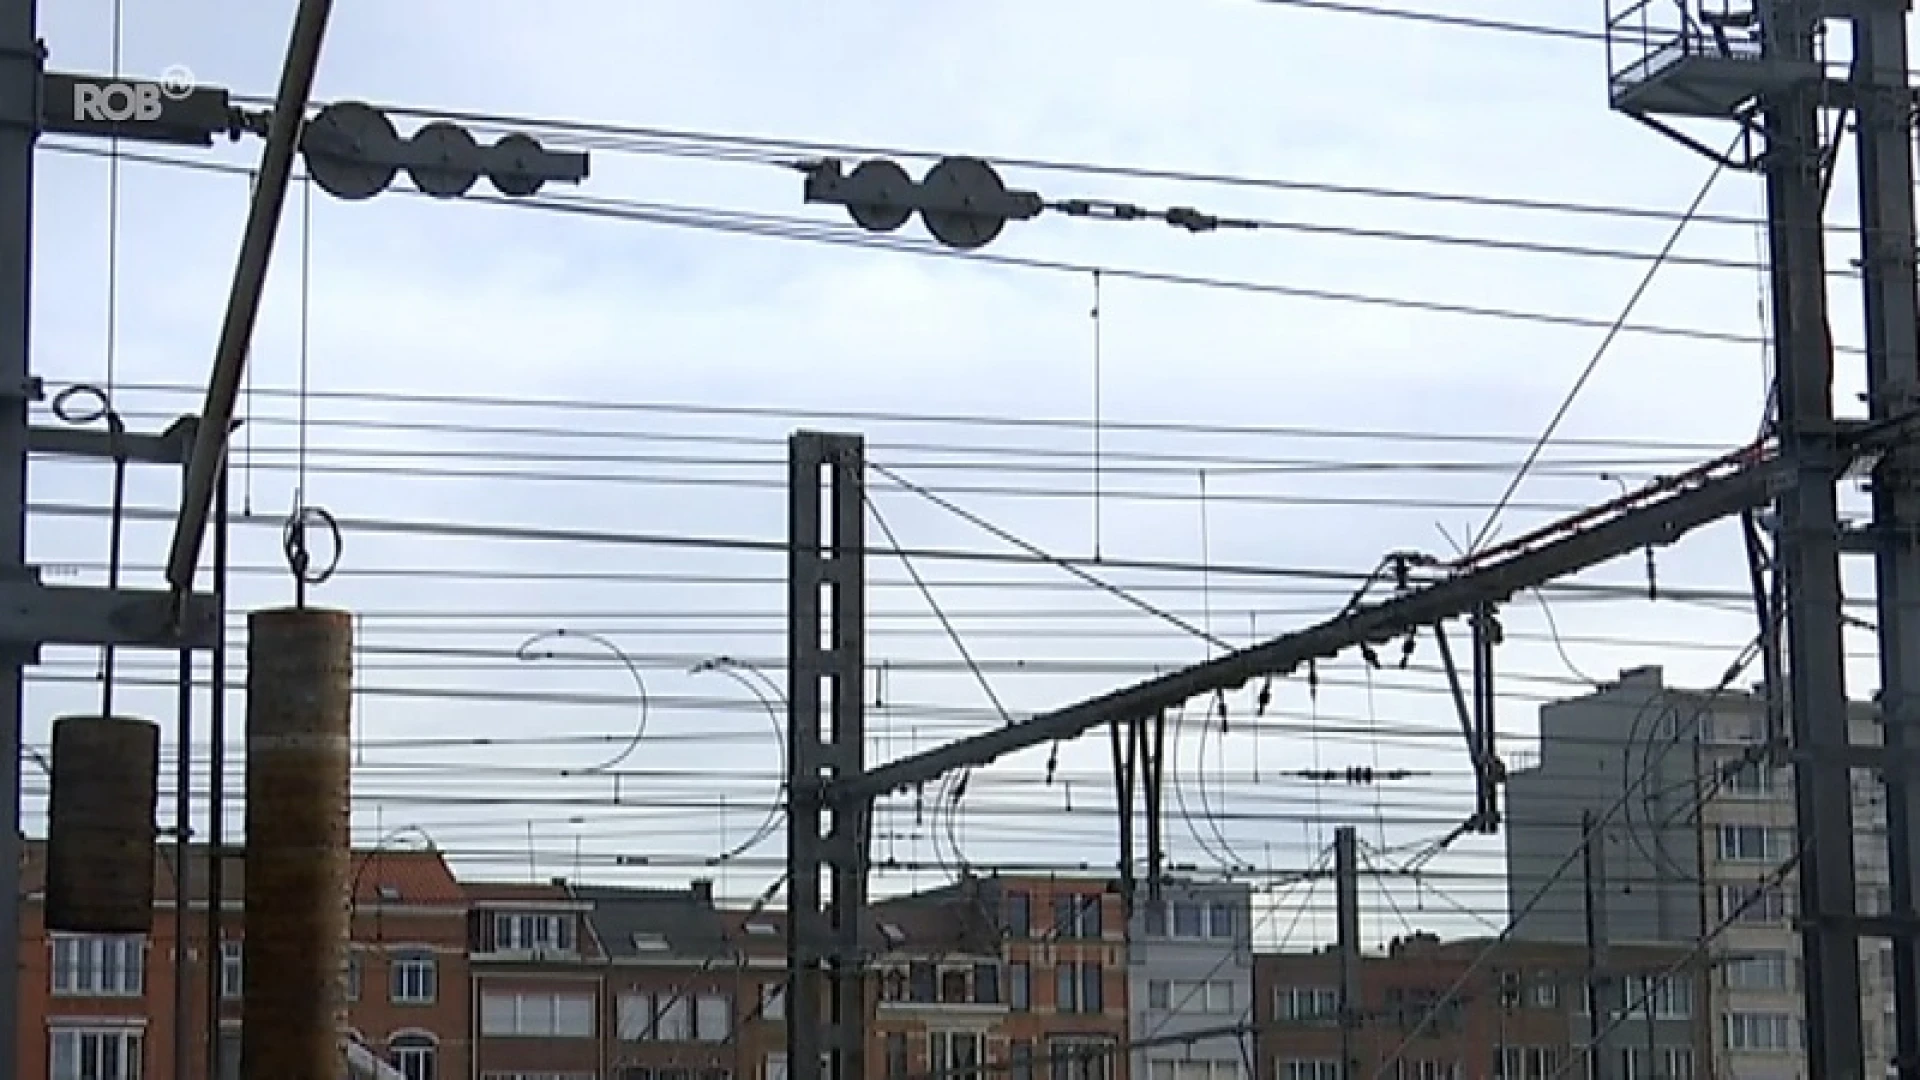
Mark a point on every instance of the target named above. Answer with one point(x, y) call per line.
point(702, 889)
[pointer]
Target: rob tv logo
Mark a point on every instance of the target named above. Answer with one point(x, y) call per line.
point(120, 102)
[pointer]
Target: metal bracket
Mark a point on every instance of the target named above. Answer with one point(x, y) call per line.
point(1477, 716)
point(33, 614)
point(171, 447)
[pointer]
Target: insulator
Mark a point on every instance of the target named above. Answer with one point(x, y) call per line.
point(299, 721)
point(100, 828)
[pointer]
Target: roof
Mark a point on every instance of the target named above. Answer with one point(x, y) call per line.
point(641, 924)
point(482, 893)
point(395, 876)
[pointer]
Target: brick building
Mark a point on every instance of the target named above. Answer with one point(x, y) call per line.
point(101, 1007)
point(683, 1001)
point(537, 982)
point(1519, 1013)
point(1065, 950)
point(940, 993)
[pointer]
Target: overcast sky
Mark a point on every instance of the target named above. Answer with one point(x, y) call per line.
point(399, 296)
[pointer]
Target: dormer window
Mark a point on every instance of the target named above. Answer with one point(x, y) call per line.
point(894, 936)
point(532, 932)
point(388, 893)
point(646, 941)
point(761, 929)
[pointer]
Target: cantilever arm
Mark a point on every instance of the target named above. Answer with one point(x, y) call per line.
point(1742, 482)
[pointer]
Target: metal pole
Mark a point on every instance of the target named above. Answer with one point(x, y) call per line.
point(823, 944)
point(1885, 147)
point(20, 61)
point(1593, 864)
point(182, 870)
point(807, 936)
point(217, 768)
point(1809, 544)
point(1346, 888)
point(846, 846)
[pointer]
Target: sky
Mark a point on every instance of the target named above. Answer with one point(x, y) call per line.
point(674, 362)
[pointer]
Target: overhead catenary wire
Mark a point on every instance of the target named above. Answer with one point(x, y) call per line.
point(774, 226)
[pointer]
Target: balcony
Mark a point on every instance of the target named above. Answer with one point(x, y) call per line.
point(1675, 58)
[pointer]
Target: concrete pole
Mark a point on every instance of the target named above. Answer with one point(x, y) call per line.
point(298, 854)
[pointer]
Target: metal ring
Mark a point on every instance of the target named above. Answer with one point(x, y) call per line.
point(67, 412)
point(293, 543)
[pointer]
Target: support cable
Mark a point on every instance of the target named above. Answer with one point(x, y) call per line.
point(1600, 352)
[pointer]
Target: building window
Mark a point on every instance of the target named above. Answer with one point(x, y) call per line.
point(1544, 993)
point(1756, 905)
point(1019, 987)
point(956, 1055)
point(1189, 996)
point(1669, 997)
point(98, 965)
point(232, 969)
point(986, 984)
point(1186, 919)
point(1429, 1070)
point(673, 1016)
point(229, 1055)
point(1219, 920)
point(1759, 1032)
point(1156, 920)
point(1316, 1005)
point(414, 980)
point(1321, 1069)
point(1748, 779)
point(537, 1015)
point(1080, 1058)
point(1766, 969)
point(1754, 843)
point(713, 1018)
point(1526, 1063)
point(1020, 1060)
point(773, 1001)
point(1185, 1069)
point(413, 1056)
point(1077, 915)
point(352, 975)
point(94, 1054)
point(896, 1055)
point(1077, 988)
point(524, 932)
point(1019, 915)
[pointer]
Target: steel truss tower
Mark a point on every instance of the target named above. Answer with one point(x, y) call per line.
point(1765, 69)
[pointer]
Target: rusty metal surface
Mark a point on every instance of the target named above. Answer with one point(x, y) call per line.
point(100, 830)
point(299, 701)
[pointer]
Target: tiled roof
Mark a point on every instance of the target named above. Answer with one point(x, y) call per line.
point(634, 923)
point(517, 892)
point(413, 877)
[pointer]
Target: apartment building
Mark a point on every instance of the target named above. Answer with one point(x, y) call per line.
point(1470, 1010)
point(537, 986)
point(98, 1007)
point(1065, 941)
point(942, 995)
point(682, 1001)
point(1190, 968)
point(1695, 851)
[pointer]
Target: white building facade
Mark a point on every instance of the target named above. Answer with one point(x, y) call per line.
point(1190, 968)
point(1694, 850)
